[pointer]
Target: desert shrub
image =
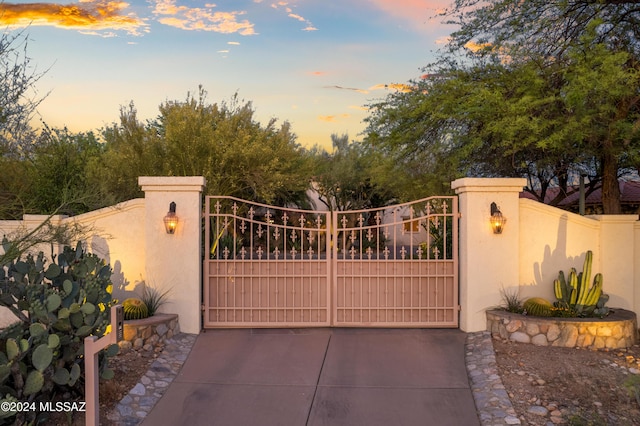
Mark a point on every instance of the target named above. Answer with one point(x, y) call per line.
point(57, 305)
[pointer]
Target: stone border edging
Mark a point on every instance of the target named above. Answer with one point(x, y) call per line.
point(141, 399)
point(492, 401)
point(148, 332)
point(618, 330)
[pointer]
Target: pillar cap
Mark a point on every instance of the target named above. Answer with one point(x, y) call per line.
point(488, 185)
point(171, 183)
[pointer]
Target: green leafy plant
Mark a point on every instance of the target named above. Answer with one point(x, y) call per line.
point(57, 305)
point(134, 309)
point(154, 298)
point(574, 294)
point(441, 241)
point(632, 385)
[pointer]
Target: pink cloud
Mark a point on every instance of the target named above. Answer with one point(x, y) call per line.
point(420, 13)
point(332, 118)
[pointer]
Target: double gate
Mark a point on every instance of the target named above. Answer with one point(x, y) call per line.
point(271, 266)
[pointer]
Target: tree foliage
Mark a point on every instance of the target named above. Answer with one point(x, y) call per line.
point(543, 28)
point(549, 110)
point(61, 165)
point(222, 142)
point(18, 97)
point(53, 177)
point(346, 178)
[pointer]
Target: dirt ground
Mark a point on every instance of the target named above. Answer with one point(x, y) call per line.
point(574, 386)
point(129, 368)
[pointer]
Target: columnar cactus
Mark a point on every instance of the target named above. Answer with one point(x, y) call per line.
point(576, 295)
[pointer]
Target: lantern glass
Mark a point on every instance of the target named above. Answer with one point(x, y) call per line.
point(171, 219)
point(497, 220)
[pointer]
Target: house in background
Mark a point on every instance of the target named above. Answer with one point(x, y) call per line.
point(629, 198)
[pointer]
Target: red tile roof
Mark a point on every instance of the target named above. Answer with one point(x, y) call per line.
point(629, 194)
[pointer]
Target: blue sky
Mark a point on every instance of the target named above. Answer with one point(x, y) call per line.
point(314, 63)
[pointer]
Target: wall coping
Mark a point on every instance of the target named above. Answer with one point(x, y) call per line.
point(152, 320)
point(488, 185)
point(615, 218)
point(566, 216)
point(172, 183)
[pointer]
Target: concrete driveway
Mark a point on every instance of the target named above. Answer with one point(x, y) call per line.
point(321, 377)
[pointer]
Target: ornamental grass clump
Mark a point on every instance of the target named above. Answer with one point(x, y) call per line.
point(154, 299)
point(512, 302)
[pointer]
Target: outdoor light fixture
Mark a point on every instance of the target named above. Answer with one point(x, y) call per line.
point(497, 220)
point(171, 220)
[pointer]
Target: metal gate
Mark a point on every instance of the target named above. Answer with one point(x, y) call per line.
point(273, 266)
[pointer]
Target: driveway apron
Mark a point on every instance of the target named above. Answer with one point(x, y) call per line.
point(321, 377)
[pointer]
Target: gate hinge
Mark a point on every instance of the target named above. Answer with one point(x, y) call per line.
point(202, 308)
point(459, 308)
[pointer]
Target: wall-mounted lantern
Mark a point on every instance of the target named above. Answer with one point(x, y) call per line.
point(171, 220)
point(497, 220)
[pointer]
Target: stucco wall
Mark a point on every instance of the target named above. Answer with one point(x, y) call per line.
point(118, 237)
point(636, 268)
point(115, 233)
point(536, 243)
point(547, 240)
point(550, 240)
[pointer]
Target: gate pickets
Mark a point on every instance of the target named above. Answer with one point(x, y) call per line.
point(270, 266)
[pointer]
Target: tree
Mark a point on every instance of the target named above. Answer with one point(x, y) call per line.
point(345, 179)
point(131, 149)
point(554, 32)
point(18, 97)
point(18, 101)
point(545, 28)
point(222, 142)
point(60, 177)
point(506, 110)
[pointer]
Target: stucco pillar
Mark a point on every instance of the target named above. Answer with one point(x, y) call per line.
point(174, 261)
point(488, 261)
point(617, 260)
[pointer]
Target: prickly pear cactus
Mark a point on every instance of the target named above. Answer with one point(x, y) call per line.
point(134, 309)
point(57, 304)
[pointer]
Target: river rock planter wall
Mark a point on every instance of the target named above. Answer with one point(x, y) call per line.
point(148, 332)
point(618, 330)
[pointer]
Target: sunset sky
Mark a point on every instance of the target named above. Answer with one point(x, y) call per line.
point(314, 63)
